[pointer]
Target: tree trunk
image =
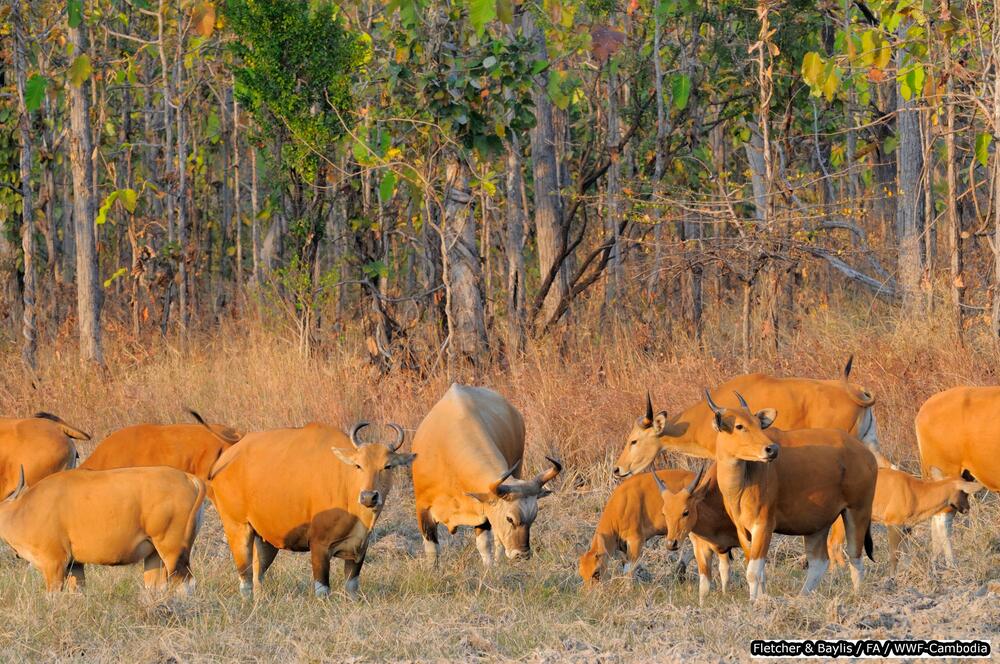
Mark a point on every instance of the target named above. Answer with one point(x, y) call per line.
point(659, 158)
point(88, 294)
point(237, 220)
point(548, 208)
point(951, 195)
point(514, 245)
point(466, 327)
point(909, 198)
point(612, 194)
point(996, 179)
point(27, 196)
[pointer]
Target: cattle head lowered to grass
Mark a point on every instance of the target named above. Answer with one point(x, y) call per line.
point(511, 506)
point(371, 459)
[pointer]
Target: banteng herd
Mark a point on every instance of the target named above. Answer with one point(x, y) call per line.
point(806, 463)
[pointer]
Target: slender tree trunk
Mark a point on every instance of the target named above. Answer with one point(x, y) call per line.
point(255, 218)
point(182, 207)
point(996, 179)
point(659, 158)
point(951, 196)
point(612, 193)
point(466, 326)
point(548, 207)
point(88, 294)
point(909, 197)
point(237, 220)
point(514, 246)
point(29, 345)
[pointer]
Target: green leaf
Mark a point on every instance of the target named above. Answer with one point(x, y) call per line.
point(75, 10)
point(129, 198)
point(868, 48)
point(387, 188)
point(914, 80)
point(539, 67)
point(680, 88)
point(983, 142)
point(119, 273)
point(812, 67)
point(80, 71)
point(481, 12)
point(505, 11)
point(34, 92)
point(102, 213)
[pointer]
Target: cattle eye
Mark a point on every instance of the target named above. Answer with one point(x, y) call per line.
point(685, 513)
point(739, 427)
point(358, 466)
point(633, 442)
point(510, 521)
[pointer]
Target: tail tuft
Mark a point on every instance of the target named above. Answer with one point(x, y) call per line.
point(869, 545)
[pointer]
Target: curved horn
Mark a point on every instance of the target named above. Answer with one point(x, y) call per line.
point(495, 487)
point(649, 410)
point(399, 436)
point(697, 479)
point(354, 433)
point(659, 482)
point(550, 474)
point(847, 367)
point(19, 488)
point(711, 404)
point(743, 402)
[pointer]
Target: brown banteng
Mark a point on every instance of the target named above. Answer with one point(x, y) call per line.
point(792, 483)
point(957, 437)
point(631, 516)
point(903, 501)
point(696, 509)
point(801, 403)
point(468, 447)
point(311, 489)
point(106, 517)
point(193, 448)
point(42, 444)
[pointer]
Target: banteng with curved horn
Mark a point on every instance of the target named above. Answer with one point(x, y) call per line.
point(283, 489)
point(467, 473)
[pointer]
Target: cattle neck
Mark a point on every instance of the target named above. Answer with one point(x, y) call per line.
point(930, 497)
point(734, 475)
point(685, 433)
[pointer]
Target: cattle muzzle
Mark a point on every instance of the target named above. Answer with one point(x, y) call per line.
point(519, 554)
point(672, 544)
point(370, 499)
point(770, 452)
point(617, 472)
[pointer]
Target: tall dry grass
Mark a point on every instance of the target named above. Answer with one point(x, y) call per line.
point(579, 398)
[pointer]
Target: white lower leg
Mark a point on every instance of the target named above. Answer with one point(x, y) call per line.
point(755, 578)
point(246, 587)
point(724, 571)
point(817, 568)
point(484, 542)
point(857, 572)
point(937, 530)
point(352, 586)
point(704, 586)
point(320, 589)
point(431, 551)
point(947, 521)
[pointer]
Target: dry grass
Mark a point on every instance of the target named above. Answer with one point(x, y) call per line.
point(578, 404)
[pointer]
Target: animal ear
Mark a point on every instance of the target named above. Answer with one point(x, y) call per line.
point(401, 459)
point(660, 423)
point(766, 417)
point(721, 424)
point(484, 498)
point(343, 455)
point(544, 492)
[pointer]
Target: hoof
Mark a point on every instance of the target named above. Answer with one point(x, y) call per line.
point(321, 590)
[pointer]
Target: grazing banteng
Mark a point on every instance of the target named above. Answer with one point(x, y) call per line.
point(193, 448)
point(468, 447)
point(792, 483)
point(311, 489)
point(696, 509)
point(903, 501)
point(631, 516)
point(802, 403)
point(957, 437)
point(42, 444)
point(106, 517)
